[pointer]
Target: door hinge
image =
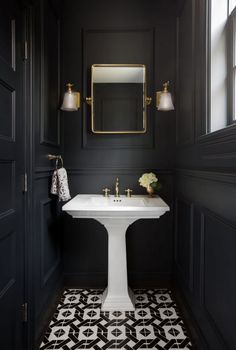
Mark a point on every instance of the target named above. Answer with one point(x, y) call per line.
point(25, 50)
point(25, 312)
point(25, 183)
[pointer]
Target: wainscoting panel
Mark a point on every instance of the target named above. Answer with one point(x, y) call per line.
point(7, 36)
point(50, 247)
point(7, 110)
point(213, 247)
point(219, 269)
point(8, 287)
point(183, 242)
point(7, 187)
point(8, 275)
point(12, 163)
point(50, 76)
point(47, 250)
point(47, 240)
point(185, 116)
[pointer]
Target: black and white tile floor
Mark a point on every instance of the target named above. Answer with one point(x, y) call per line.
point(79, 323)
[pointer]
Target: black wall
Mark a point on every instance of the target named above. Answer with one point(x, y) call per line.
point(205, 259)
point(44, 75)
point(30, 249)
point(121, 32)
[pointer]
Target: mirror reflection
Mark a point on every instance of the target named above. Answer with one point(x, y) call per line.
point(118, 95)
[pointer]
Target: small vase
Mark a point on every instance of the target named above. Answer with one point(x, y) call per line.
point(150, 191)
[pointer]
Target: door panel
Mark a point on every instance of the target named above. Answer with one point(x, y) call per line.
point(11, 170)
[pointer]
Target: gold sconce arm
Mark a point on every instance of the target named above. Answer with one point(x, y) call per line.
point(89, 100)
point(158, 97)
point(148, 100)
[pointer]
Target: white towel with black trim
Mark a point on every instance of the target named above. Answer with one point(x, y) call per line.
point(60, 185)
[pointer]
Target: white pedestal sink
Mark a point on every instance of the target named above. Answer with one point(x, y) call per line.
point(116, 214)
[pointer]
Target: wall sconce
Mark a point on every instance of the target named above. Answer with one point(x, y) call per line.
point(71, 100)
point(164, 99)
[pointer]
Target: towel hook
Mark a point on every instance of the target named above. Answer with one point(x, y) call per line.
point(57, 158)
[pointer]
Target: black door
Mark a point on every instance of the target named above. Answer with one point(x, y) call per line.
point(11, 170)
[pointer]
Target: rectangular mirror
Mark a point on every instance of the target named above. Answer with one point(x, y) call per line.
point(118, 98)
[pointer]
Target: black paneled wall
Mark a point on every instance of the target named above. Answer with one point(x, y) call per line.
point(121, 32)
point(205, 259)
point(46, 251)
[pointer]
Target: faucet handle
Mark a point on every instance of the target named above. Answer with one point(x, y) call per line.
point(106, 192)
point(128, 192)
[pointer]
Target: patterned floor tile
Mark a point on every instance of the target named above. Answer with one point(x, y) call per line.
point(79, 323)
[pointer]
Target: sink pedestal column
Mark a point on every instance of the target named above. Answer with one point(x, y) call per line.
point(117, 295)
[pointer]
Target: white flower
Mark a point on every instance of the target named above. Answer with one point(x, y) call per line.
point(147, 179)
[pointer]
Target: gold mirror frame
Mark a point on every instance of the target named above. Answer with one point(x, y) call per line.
point(146, 101)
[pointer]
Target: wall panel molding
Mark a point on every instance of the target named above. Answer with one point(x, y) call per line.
point(116, 170)
point(49, 76)
point(119, 37)
point(217, 263)
point(185, 117)
point(225, 135)
point(8, 112)
point(46, 275)
point(184, 251)
point(224, 177)
point(42, 172)
point(8, 243)
point(220, 270)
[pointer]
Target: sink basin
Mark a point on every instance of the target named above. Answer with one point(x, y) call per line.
point(95, 206)
point(116, 214)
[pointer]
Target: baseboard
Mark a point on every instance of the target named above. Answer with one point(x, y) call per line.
point(46, 317)
point(193, 329)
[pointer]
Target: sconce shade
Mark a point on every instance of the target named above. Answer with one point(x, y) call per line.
point(71, 100)
point(164, 100)
point(165, 103)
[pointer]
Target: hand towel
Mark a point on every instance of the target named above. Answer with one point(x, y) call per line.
point(54, 185)
point(60, 185)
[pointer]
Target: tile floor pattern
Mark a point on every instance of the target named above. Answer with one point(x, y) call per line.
point(79, 323)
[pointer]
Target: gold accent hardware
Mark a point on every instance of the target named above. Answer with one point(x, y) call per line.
point(69, 85)
point(55, 157)
point(24, 312)
point(78, 99)
point(89, 100)
point(128, 192)
point(165, 85)
point(158, 97)
point(148, 100)
point(117, 194)
point(106, 192)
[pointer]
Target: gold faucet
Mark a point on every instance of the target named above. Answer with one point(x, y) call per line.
point(117, 194)
point(106, 192)
point(128, 192)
